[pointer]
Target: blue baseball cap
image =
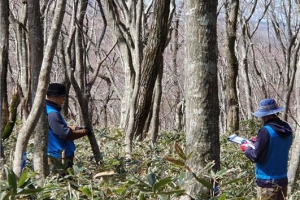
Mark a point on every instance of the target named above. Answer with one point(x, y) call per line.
point(267, 107)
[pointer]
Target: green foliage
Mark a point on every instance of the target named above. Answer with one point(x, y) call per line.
point(15, 188)
point(156, 171)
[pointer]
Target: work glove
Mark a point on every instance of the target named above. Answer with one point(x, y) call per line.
point(88, 131)
point(253, 139)
point(244, 146)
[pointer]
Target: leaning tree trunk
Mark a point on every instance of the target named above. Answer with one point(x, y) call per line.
point(153, 59)
point(79, 83)
point(201, 87)
point(36, 45)
point(29, 125)
point(4, 42)
point(232, 7)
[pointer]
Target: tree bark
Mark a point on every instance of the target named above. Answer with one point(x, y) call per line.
point(4, 44)
point(201, 91)
point(154, 123)
point(232, 7)
point(36, 45)
point(29, 125)
point(294, 164)
point(153, 59)
point(77, 74)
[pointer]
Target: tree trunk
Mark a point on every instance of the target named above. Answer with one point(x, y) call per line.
point(78, 70)
point(4, 43)
point(232, 7)
point(29, 125)
point(153, 57)
point(154, 123)
point(36, 45)
point(201, 87)
point(294, 164)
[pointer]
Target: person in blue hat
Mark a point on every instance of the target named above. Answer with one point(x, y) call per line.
point(271, 151)
point(60, 136)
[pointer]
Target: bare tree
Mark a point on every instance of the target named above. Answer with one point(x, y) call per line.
point(201, 90)
point(36, 45)
point(4, 43)
point(294, 164)
point(28, 127)
point(287, 33)
point(231, 7)
point(77, 71)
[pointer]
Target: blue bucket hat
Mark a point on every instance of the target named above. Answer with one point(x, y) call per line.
point(268, 107)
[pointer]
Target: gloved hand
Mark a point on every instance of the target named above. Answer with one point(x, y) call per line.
point(244, 146)
point(88, 131)
point(253, 139)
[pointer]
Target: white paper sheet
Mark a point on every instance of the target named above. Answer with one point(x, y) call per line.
point(239, 140)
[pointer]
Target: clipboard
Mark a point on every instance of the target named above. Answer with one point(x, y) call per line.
point(239, 140)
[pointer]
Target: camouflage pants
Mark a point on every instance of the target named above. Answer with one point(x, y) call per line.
point(277, 193)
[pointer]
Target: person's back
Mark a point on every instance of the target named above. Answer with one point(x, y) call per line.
point(270, 152)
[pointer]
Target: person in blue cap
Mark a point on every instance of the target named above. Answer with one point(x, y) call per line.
point(271, 151)
point(60, 136)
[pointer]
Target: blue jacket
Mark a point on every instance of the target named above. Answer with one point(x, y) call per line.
point(57, 132)
point(271, 153)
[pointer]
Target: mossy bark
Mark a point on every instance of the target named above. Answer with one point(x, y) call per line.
point(15, 101)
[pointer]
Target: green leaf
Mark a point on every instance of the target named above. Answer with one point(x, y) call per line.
point(74, 185)
point(23, 178)
point(151, 179)
point(7, 195)
point(189, 156)
point(179, 151)
point(142, 196)
point(30, 191)
point(231, 181)
point(203, 182)
point(175, 161)
point(12, 180)
point(222, 197)
point(119, 191)
point(85, 190)
point(162, 183)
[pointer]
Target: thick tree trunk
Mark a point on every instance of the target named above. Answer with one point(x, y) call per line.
point(294, 164)
point(201, 87)
point(154, 122)
point(232, 69)
point(36, 45)
point(29, 125)
point(4, 43)
point(153, 57)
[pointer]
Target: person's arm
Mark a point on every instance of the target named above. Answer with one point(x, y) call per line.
point(261, 147)
point(78, 132)
point(62, 130)
point(58, 125)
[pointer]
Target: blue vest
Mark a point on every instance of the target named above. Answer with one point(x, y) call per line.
point(56, 144)
point(276, 162)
